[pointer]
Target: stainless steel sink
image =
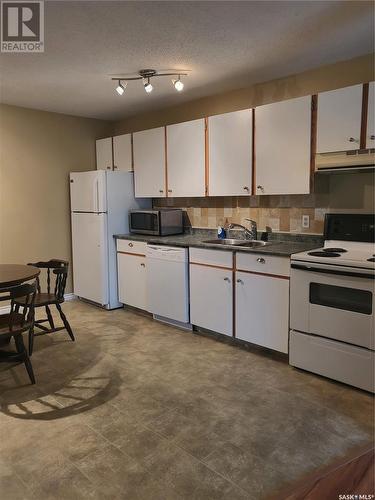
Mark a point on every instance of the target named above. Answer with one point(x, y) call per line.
point(237, 243)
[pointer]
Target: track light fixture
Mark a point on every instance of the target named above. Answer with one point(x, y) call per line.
point(148, 86)
point(178, 85)
point(145, 75)
point(120, 89)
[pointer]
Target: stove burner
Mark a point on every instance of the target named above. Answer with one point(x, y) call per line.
point(371, 259)
point(338, 250)
point(323, 253)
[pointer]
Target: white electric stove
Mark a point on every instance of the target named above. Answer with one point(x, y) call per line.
point(332, 304)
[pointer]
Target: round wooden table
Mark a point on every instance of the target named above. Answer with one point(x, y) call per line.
point(15, 274)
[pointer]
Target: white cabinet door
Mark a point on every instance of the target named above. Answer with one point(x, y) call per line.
point(211, 298)
point(186, 159)
point(230, 153)
point(339, 119)
point(104, 159)
point(132, 280)
point(122, 152)
point(149, 163)
point(282, 147)
point(370, 136)
point(262, 310)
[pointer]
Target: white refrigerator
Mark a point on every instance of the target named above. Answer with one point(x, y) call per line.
point(100, 201)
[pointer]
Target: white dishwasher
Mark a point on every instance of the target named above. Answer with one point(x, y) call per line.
point(168, 282)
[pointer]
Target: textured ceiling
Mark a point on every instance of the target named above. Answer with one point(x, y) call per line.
point(226, 45)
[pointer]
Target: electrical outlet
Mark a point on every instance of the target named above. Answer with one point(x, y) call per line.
point(306, 221)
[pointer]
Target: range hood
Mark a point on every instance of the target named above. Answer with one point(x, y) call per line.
point(345, 161)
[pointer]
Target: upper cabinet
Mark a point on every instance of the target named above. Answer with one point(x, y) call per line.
point(282, 147)
point(230, 153)
point(104, 159)
point(149, 163)
point(339, 120)
point(186, 159)
point(122, 152)
point(370, 135)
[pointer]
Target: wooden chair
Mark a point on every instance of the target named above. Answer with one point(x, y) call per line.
point(18, 321)
point(56, 297)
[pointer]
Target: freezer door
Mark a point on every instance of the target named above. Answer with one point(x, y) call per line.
point(88, 191)
point(90, 256)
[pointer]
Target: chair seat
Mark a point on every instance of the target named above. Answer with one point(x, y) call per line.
point(17, 326)
point(43, 299)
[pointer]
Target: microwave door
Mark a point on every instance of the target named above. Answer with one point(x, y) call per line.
point(144, 222)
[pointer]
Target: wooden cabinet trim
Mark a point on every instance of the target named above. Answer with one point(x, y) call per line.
point(314, 131)
point(264, 274)
point(132, 150)
point(133, 254)
point(253, 163)
point(364, 116)
point(234, 296)
point(166, 162)
point(211, 265)
point(206, 157)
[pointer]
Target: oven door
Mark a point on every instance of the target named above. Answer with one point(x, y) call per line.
point(333, 302)
point(144, 222)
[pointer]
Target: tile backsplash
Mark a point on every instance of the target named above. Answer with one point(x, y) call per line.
point(267, 211)
point(333, 193)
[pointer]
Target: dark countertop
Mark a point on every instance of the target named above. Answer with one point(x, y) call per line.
point(285, 248)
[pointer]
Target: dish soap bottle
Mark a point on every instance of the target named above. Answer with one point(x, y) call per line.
point(221, 233)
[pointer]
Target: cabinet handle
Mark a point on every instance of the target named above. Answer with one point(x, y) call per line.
point(161, 191)
point(114, 167)
point(109, 168)
point(143, 265)
point(246, 188)
point(372, 137)
point(239, 281)
point(352, 139)
point(130, 244)
point(260, 187)
point(261, 260)
point(169, 190)
point(227, 279)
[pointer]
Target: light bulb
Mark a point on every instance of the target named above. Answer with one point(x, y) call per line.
point(148, 87)
point(178, 85)
point(120, 89)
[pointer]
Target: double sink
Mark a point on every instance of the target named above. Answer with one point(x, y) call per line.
point(237, 243)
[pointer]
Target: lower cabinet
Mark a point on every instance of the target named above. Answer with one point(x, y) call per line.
point(211, 298)
point(132, 280)
point(262, 310)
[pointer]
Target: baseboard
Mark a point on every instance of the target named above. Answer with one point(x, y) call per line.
point(67, 296)
point(70, 296)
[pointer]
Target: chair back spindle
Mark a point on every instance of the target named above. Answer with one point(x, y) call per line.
point(60, 270)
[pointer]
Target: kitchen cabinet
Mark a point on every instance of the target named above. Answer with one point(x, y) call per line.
point(131, 269)
point(370, 135)
point(262, 300)
point(282, 147)
point(186, 159)
point(211, 291)
point(104, 158)
point(132, 280)
point(339, 119)
point(230, 153)
point(122, 152)
point(149, 163)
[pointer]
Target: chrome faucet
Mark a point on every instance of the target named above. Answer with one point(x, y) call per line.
point(250, 234)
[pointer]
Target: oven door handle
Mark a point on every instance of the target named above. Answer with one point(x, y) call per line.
point(332, 271)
